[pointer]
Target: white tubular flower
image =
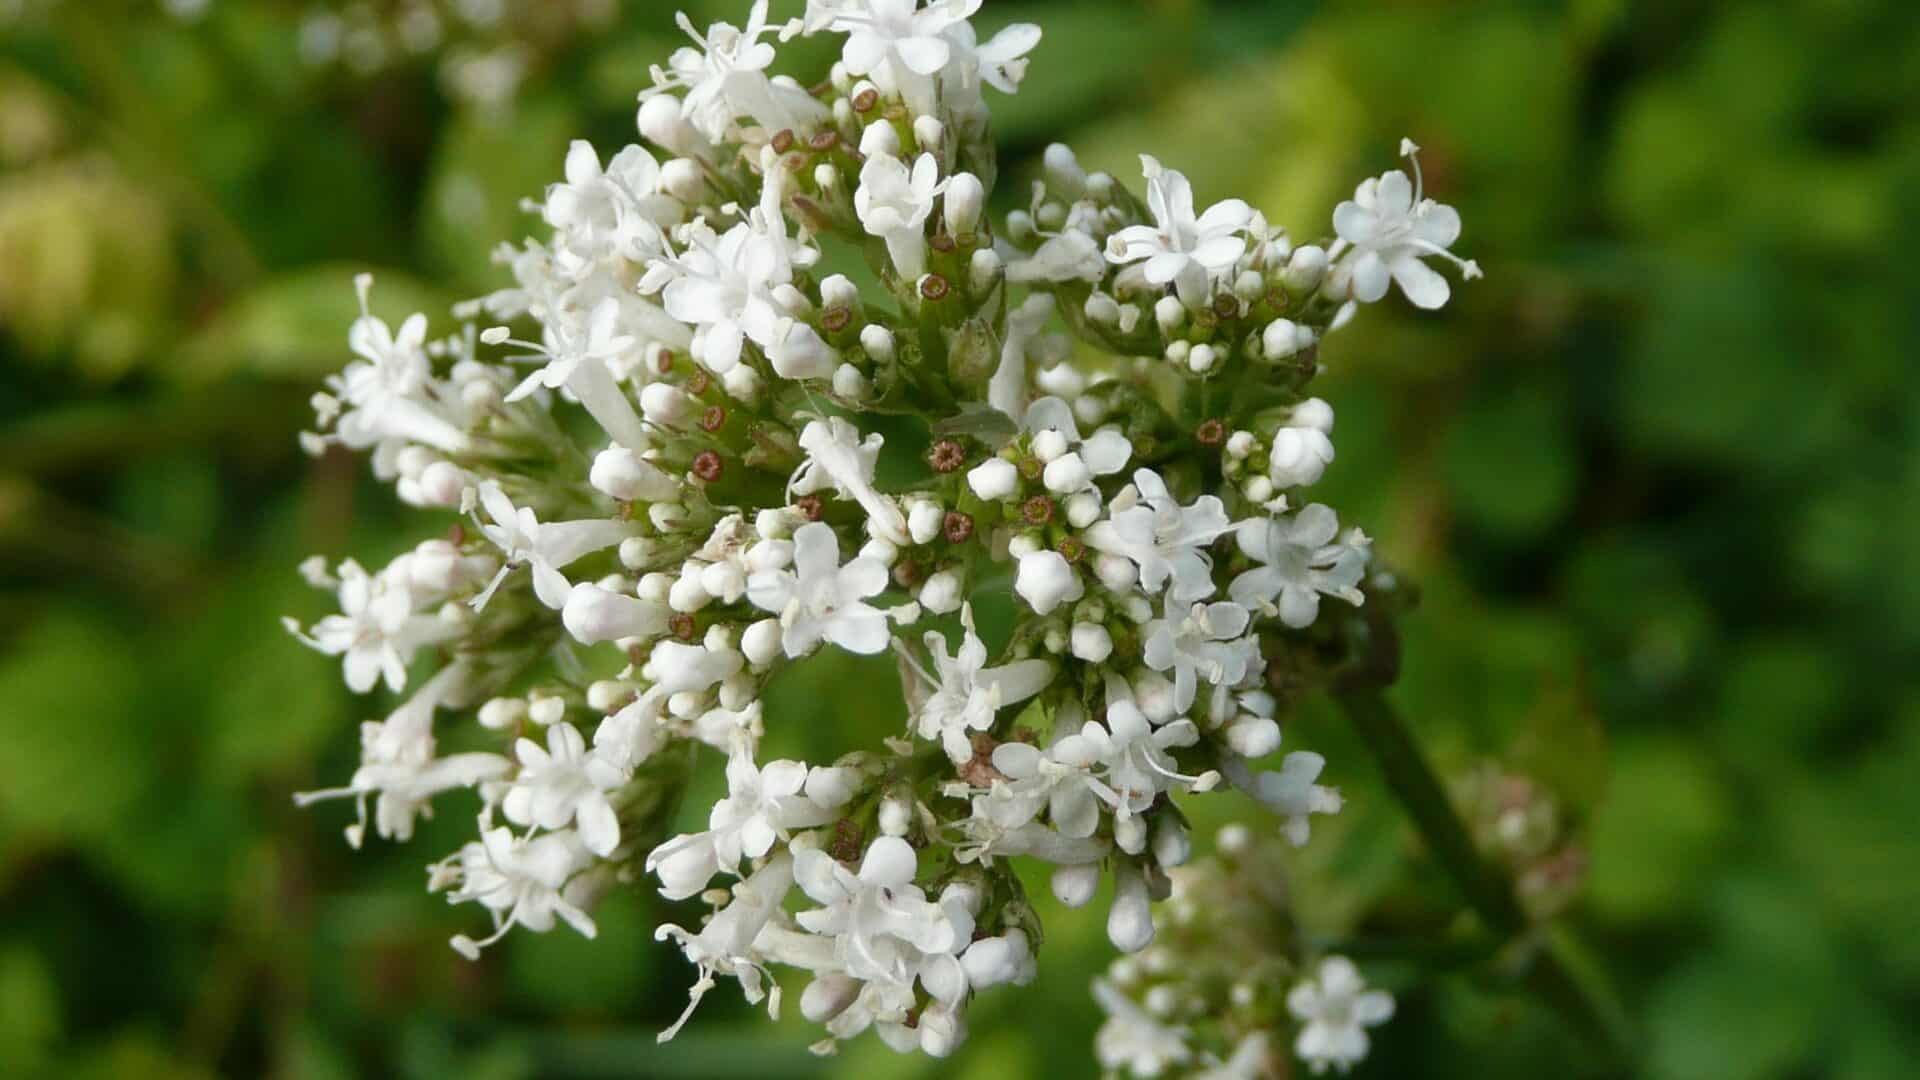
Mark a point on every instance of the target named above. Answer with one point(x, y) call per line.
point(821, 600)
point(1391, 226)
point(543, 547)
point(1133, 1040)
point(593, 207)
point(894, 204)
point(397, 765)
point(1127, 759)
point(593, 614)
point(838, 458)
point(579, 360)
point(1205, 644)
point(1179, 248)
point(385, 391)
point(724, 285)
point(761, 806)
point(1072, 462)
point(376, 633)
point(1000, 62)
point(1335, 1009)
point(519, 881)
point(724, 76)
point(564, 783)
point(883, 925)
point(1300, 562)
point(1291, 792)
point(1164, 540)
point(966, 694)
point(900, 44)
point(726, 945)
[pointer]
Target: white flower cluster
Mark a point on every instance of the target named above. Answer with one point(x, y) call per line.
point(1206, 1001)
point(675, 497)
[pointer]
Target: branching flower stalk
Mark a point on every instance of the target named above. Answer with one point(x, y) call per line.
point(668, 479)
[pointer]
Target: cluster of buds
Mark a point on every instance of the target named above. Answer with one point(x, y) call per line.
point(1216, 995)
point(683, 496)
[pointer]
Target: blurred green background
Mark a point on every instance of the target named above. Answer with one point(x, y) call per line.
point(1658, 477)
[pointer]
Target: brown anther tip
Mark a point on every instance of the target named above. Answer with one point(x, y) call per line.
point(713, 418)
point(1037, 510)
point(708, 466)
point(865, 100)
point(942, 243)
point(1072, 550)
point(1210, 433)
point(957, 526)
point(907, 573)
point(682, 626)
point(824, 140)
point(811, 506)
point(782, 141)
point(1031, 468)
point(947, 456)
point(935, 287)
point(1226, 306)
point(835, 319)
point(698, 382)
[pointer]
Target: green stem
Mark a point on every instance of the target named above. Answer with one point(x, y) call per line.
point(1574, 990)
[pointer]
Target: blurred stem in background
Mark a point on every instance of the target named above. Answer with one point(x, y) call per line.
point(1576, 991)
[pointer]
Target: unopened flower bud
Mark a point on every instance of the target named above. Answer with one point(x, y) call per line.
point(622, 474)
point(966, 197)
point(661, 122)
point(593, 614)
point(1063, 169)
point(1091, 642)
point(940, 593)
point(850, 383)
point(1074, 886)
point(880, 140)
point(984, 270)
point(924, 519)
point(1045, 581)
point(1305, 268)
point(683, 179)
point(666, 405)
point(1300, 456)
point(1130, 920)
point(1253, 736)
point(877, 340)
point(994, 478)
point(896, 816)
point(1170, 313)
point(1172, 843)
point(760, 643)
point(1114, 571)
point(501, 713)
point(929, 132)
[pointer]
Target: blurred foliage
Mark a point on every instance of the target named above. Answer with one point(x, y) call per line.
point(1655, 475)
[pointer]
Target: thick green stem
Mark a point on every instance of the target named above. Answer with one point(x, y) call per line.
point(1574, 990)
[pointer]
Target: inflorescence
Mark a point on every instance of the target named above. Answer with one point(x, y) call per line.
point(670, 495)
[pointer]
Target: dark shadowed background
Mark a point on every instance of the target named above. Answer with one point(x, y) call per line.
point(1658, 477)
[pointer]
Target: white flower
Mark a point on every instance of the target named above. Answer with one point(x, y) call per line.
point(820, 599)
point(723, 284)
point(397, 765)
point(966, 693)
point(1302, 450)
point(1001, 62)
point(1072, 462)
point(580, 358)
point(1180, 248)
point(894, 204)
point(544, 547)
point(376, 632)
point(592, 208)
point(1301, 561)
point(1336, 1008)
point(1289, 792)
point(762, 804)
point(899, 43)
point(1391, 226)
point(386, 389)
point(564, 783)
point(1162, 538)
point(1132, 1039)
point(885, 928)
point(1045, 580)
point(1205, 644)
point(1127, 758)
point(725, 946)
point(724, 74)
point(519, 880)
point(838, 458)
